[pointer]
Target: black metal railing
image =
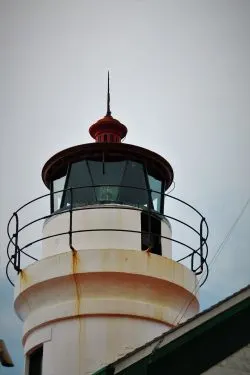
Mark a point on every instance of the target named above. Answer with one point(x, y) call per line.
point(16, 250)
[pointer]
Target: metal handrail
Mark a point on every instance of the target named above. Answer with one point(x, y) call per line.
point(15, 258)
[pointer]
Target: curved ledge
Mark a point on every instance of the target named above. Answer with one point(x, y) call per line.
point(104, 282)
point(106, 260)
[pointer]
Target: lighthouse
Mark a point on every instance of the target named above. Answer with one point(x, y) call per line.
point(105, 281)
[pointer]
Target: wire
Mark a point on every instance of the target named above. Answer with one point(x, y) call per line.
point(229, 232)
point(217, 253)
point(196, 289)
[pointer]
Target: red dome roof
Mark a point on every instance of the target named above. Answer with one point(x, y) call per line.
point(108, 129)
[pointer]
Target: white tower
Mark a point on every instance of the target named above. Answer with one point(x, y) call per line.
point(106, 282)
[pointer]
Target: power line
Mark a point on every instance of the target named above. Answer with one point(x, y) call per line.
point(217, 253)
point(229, 232)
point(196, 289)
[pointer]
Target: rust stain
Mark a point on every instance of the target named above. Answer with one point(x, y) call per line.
point(23, 278)
point(74, 265)
point(75, 262)
point(148, 251)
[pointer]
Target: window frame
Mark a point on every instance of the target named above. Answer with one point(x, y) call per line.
point(161, 193)
point(150, 201)
point(65, 184)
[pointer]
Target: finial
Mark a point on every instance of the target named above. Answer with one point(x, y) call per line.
point(108, 99)
point(108, 129)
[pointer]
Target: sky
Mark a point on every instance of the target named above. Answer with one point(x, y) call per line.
point(180, 82)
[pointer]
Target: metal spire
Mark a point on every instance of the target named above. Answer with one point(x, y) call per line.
point(108, 99)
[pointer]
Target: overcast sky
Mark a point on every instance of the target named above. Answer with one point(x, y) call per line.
point(180, 81)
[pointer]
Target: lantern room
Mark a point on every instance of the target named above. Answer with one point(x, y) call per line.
point(121, 180)
point(104, 173)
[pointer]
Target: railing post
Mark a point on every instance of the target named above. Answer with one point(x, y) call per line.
point(52, 208)
point(200, 268)
point(162, 203)
point(192, 262)
point(151, 242)
point(17, 255)
point(201, 244)
point(70, 219)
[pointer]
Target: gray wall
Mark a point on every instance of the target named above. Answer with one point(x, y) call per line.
point(236, 364)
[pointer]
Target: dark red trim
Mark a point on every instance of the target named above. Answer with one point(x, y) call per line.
point(108, 130)
point(57, 165)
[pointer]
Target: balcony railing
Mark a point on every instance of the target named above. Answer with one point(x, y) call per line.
point(195, 254)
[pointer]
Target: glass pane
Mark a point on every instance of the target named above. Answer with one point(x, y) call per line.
point(108, 173)
point(79, 177)
point(134, 176)
point(155, 185)
point(58, 185)
point(113, 177)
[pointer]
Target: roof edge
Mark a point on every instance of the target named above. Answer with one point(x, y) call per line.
point(182, 333)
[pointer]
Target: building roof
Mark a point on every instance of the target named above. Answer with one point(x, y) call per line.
point(200, 343)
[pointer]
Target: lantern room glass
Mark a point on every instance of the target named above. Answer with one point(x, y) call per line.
point(156, 189)
point(58, 189)
point(101, 182)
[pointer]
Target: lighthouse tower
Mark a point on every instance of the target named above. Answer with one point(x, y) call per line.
point(106, 282)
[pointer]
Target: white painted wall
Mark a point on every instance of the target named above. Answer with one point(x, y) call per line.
point(92, 306)
point(81, 346)
point(99, 218)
